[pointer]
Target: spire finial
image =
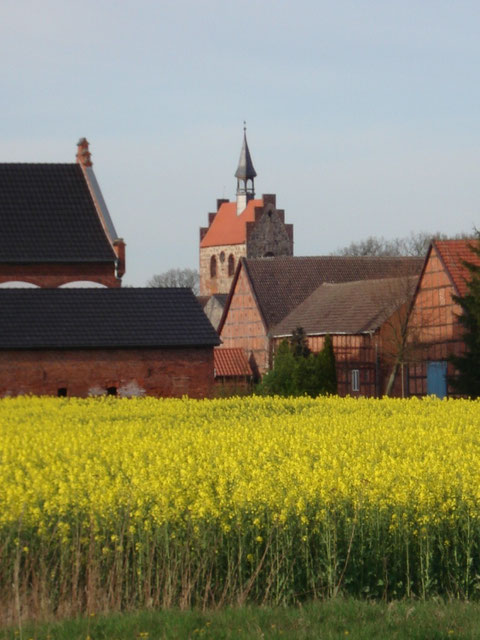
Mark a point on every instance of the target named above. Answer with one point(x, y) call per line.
point(245, 170)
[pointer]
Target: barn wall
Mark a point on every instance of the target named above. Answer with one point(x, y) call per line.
point(159, 372)
point(352, 352)
point(244, 327)
point(434, 330)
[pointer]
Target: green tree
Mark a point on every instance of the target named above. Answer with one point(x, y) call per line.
point(466, 380)
point(328, 367)
point(297, 371)
point(280, 380)
point(299, 343)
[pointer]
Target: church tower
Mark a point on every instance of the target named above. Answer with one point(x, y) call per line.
point(248, 227)
point(245, 175)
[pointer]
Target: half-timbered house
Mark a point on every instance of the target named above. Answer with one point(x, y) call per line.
point(434, 330)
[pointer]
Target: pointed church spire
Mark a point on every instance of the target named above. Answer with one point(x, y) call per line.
point(245, 175)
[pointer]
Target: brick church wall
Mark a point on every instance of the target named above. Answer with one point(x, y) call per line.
point(157, 372)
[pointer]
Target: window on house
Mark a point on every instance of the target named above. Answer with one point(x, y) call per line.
point(355, 380)
point(111, 391)
point(62, 392)
point(213, 267)
point(231, 265)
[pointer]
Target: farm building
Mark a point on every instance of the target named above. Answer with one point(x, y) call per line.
point(248, 227)
point(366, 321)
point(55, 227)
point(434, 330)
point(233, 373)
point(265, 291)
point(114, 341)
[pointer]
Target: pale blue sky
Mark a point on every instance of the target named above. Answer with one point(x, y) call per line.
point(363, 117)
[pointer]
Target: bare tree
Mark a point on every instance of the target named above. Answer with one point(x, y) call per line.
point(415, 244)
point(177, 278)
point(399, 339)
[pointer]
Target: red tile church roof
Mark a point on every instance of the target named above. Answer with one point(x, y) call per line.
point(228, 227)
point(454, 253)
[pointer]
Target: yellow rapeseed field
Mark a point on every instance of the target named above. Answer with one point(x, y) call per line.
point(171, 501)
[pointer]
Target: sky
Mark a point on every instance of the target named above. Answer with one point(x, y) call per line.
point(362, 116)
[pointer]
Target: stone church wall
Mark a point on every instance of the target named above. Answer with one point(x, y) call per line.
point(269, 236)
point(222, 281)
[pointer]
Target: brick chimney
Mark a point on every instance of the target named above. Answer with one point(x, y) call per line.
point(119, 246)
point(83, 154)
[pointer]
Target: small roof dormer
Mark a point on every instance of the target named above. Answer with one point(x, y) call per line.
point(245, 175)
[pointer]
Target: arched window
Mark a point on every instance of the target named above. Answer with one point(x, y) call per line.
point(231, 265)
point(213, 267)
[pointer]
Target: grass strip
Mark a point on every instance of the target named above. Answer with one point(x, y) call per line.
point(352, 619)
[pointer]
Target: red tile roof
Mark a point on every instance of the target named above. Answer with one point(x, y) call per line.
point(454, 253)
point(231, 362)
point(227, 227)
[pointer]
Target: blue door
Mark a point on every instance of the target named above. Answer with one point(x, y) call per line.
point(437, 379)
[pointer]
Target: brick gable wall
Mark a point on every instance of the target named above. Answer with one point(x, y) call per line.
point(244, 327)
point(433, 323)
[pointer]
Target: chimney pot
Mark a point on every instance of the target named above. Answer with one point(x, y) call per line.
point(83, 153)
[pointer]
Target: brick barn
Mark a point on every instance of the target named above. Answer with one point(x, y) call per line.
point(55, 227)
point(434, 328)
point(265, 291)
point(83, 342)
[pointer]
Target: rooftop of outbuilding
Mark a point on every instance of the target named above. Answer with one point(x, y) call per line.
point(102, 318)
point(281, 284)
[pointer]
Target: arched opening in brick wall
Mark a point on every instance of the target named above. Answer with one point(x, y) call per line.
point(231, 265)
point(18, 284)
point(213, 267)
point(82, 284)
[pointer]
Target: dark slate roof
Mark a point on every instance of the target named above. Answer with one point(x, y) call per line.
point(245, 169)
point(281, 284)
point(47, 215)
point(349, 307)
point(102, 318)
